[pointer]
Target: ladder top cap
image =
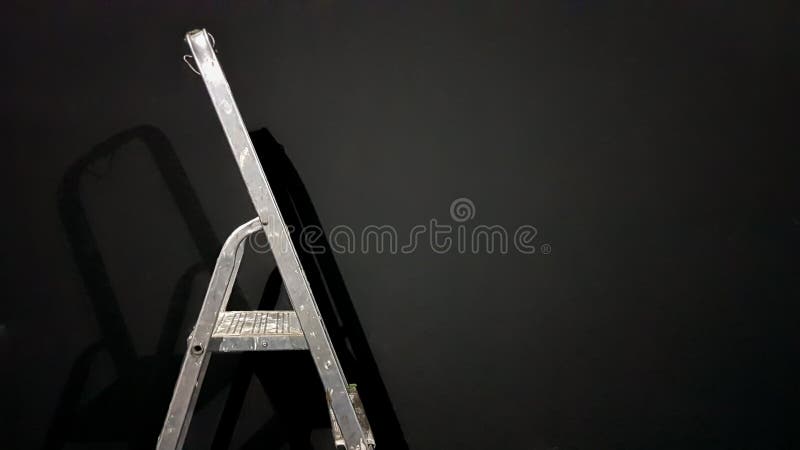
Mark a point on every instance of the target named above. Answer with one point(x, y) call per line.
point(194, 32)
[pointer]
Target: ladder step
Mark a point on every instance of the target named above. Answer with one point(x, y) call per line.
point(361, 416)
point(245, 331)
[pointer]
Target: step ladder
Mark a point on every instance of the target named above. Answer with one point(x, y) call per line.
point(219, 330)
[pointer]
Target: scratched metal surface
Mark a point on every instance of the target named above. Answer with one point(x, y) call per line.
point(257, 323)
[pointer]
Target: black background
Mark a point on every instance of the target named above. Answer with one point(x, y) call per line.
point(652, 144)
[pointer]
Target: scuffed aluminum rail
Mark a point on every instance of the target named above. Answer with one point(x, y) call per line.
point(184, 398)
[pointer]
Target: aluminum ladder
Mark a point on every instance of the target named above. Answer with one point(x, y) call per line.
point(219, 330)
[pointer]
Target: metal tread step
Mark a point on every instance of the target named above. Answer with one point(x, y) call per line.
point(241, 331)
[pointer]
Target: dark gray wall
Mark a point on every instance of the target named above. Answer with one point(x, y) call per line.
point(653, 146)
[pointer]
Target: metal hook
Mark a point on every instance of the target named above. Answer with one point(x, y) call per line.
point(190, 64)
point(213, 41)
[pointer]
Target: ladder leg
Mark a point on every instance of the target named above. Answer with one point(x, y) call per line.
point(197, 356)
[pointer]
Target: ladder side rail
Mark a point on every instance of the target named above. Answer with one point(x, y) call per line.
point(193, 369)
